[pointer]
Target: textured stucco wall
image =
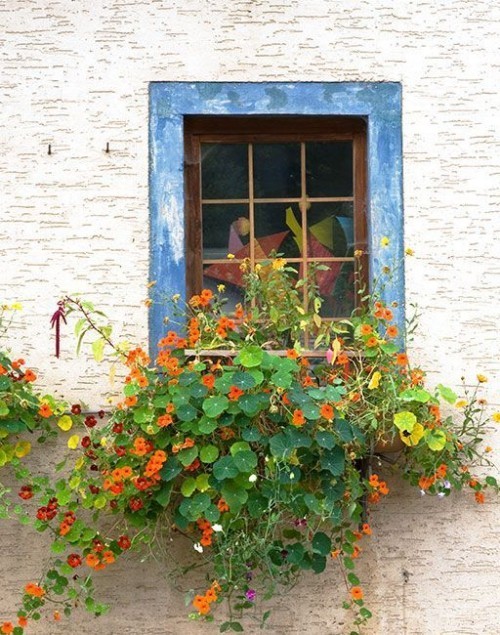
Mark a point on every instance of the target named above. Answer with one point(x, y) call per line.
point(75, 74)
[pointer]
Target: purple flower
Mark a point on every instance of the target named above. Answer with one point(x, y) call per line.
point(250, 595)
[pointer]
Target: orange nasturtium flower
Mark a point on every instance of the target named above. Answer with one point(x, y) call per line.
point(33, 589)
point(7, 628)
point(365, 329)
point(401, 359)
point(298, 418)
point(45, 410)
point(392, 331)
point(357, 593)
point(29, 375)
point(326, 411)
point(479, 496)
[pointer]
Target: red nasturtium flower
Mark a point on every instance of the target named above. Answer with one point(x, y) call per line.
point(124, 542)
point(74, 560)
point(26, 492)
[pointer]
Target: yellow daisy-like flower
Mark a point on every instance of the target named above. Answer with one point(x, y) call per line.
point(482, 379)
point(221, 288)
point(409, 251)
point(461, 403)
point(413, 437)
point(496, 417)
point(230, 256)
point(279, 263)
point(384, 241)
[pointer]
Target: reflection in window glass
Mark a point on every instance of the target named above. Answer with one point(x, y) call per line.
point(224, 170)
point(336, 287)
point(329, 169)
point(226, 230)
point(330, 230)
point(276, 168)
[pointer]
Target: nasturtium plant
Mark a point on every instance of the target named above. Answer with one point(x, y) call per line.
point(254, 448)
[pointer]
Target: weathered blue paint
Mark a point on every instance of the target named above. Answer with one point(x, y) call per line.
point(378, 102)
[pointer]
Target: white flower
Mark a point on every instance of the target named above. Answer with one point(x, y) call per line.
point(292, 476)
point(422, 492)
point(252, 478)
point(217, 527)
point(197, 547)
point(441, 494)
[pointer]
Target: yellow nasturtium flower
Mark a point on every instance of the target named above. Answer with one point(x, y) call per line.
point(410, 431)
point(65, 423)
point(73, 442)
point(375, 380)
point(22, 449)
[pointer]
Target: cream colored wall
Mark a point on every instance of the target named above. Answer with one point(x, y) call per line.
point(75, 74)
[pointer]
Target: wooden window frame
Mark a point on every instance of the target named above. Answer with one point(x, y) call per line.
point(266, 129)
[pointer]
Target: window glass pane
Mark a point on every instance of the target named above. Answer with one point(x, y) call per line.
point(276, 230)
point(224, 170)
point(329, 168)
point(226, 230)
point(276, 168)
point(228, 274)
point(330, 230)
point(336, 287)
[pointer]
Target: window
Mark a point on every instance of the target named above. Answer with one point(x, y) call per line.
point(262, 185)
point(174, 104)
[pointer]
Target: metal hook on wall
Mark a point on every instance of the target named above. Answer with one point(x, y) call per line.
point(107, 151)
point(50, 149)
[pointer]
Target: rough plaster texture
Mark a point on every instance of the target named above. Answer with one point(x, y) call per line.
point(75, 74)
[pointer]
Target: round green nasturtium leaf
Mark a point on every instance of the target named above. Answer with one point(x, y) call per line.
point(321, 543)
point(186, 412)
point(249, 404)
point(245, 461)
point(193, 508)
point(187, 456)
point(405, 421)
point(415, 394)
point(333, 461)
point(171, 469)
point(243, 380)
point(295, 553)
point(239, 446)
point(4, 408)
point(214, 406)
point(188, 487)
point(250, 356)
point(206, 425)
point(234, 495)
point(225, 468)
point(435, 439)
point(202, 482)
point(209, 453)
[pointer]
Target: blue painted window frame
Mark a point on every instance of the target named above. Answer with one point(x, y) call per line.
point(380, 103)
